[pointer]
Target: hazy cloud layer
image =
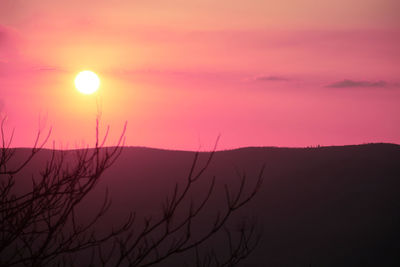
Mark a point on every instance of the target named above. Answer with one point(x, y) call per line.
point(9, 50)
point(354, 84)
point(3, 34)
point(271, 78)
point(8, 38)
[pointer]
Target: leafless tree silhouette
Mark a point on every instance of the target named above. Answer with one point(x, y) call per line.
point(39, 227)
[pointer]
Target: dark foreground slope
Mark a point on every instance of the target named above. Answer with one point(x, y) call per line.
point(328, 206)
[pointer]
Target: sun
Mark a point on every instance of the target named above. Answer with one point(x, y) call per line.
point(87, 82)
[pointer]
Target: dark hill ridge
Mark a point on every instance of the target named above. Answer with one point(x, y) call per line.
point(326, 206)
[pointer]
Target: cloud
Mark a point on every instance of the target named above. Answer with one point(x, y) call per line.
point(271, 79)
point(49, 68)
point(1, 105)
point(8, 39)
point(355, 84)
point(9, 53)
point(3, 33)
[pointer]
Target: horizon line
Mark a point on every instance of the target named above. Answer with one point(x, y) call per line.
point(217, 150)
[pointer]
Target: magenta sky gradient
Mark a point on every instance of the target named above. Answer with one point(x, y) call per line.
point(259, 72)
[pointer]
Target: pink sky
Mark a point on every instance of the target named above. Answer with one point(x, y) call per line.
point(259, 72)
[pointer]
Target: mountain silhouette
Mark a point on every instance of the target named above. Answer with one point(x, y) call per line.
point(322, 206)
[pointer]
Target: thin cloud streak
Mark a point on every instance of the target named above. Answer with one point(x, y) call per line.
point(358, 84)
point(271, 79)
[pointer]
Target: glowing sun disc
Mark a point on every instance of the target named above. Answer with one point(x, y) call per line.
point(87, 82)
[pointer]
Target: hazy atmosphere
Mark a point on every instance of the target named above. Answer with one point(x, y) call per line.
point(259, 73)
point(199, 133)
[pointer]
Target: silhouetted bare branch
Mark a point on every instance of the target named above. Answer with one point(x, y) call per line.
point(40, 227)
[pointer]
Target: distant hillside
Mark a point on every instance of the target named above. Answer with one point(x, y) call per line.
point(326, 206)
